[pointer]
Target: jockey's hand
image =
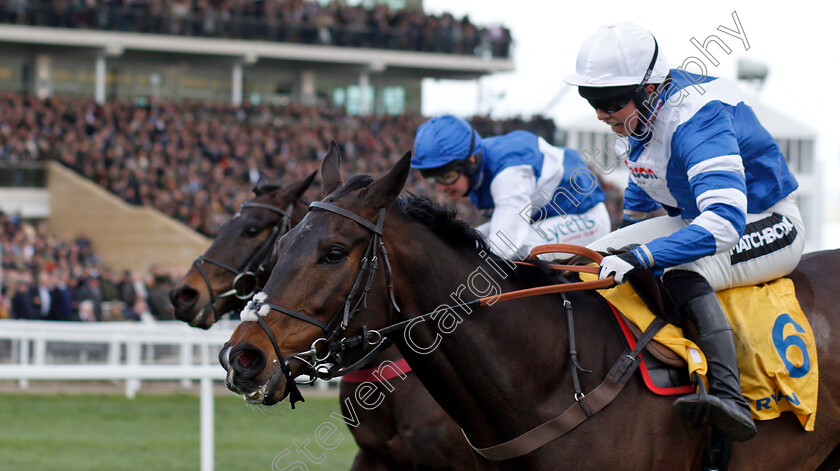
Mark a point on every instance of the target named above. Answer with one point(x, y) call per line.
point(619, 266)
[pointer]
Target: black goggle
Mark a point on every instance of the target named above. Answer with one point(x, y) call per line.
point(611, 105)
point(446, 178)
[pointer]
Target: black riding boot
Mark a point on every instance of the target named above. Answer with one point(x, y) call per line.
point(727, 409)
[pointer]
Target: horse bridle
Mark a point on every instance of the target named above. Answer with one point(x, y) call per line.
point(245, 276)
point(340, 351)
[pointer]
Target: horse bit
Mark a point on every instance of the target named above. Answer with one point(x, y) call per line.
point(340, 350)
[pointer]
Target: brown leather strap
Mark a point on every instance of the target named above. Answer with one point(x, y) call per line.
point(563, 288)
point(567, 249)
point(554, 428)
point(584, 407)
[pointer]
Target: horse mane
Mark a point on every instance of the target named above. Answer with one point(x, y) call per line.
point(444, 223)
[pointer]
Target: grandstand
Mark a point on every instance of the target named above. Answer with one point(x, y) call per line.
point(367, 60)
point(130, 131)
point(156, 119)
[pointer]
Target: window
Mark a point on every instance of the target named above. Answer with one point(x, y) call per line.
point(391, 101)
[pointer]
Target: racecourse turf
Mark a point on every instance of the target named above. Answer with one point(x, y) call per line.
point(85, 432)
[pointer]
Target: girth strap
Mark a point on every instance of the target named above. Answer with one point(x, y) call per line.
point(577, 413)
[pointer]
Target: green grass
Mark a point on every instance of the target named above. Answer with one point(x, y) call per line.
point(161, 433)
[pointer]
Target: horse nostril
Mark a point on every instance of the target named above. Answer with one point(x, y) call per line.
point(248, 361)
point(183, 297)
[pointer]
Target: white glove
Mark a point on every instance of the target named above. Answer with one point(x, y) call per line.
point(619, 266)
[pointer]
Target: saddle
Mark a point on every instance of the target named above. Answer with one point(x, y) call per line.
point(777, 354)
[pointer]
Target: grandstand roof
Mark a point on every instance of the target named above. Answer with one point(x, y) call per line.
point(420, 64)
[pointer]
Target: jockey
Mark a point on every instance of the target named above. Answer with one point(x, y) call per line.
point(698, 152)
point(514, 175)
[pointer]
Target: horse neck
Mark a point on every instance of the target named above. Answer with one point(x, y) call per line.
point(492, 370)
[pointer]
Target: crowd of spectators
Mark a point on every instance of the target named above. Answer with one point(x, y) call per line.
point(296, 21)
point(196, 161)
point(46, 277)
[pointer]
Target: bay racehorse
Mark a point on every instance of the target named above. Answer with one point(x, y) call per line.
point(499, 369)
point(241, 254)
point(408, 431)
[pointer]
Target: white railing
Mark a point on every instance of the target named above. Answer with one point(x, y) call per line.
point(205, 373)
point(30, 343)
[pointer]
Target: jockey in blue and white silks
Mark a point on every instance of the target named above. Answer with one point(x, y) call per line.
point(538, 193)
point(707, 160)
point(698, 151)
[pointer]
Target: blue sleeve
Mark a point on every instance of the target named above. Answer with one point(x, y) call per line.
point(706, 147)
point(637, 203)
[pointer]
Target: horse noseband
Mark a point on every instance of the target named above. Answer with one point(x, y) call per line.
point(341, 350)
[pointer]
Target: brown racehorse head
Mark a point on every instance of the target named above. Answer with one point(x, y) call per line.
point(239, 260)
point(408, 430)
point(500, 369)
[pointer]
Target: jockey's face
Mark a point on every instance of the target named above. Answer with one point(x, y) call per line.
point(457, 189)
point(623, 121)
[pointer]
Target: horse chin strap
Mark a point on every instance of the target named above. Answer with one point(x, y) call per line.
point(265, 252)
point(343, 355)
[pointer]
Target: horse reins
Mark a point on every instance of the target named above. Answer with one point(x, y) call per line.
point(246, 277)
point(340, 350)
point(585, 405)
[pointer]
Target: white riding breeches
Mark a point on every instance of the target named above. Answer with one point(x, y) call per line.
point(578, 229)
point(770, 247)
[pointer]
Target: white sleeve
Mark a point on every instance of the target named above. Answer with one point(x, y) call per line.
point(511, 191)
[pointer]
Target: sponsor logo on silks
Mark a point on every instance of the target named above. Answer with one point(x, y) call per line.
point(569, 226)
point(763, 237)
point(641, 172)
point(764, 402)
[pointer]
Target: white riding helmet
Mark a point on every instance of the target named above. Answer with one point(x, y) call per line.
point(618, 55)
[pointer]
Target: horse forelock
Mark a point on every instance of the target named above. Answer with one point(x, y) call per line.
point(356, 182)
point(265, 188)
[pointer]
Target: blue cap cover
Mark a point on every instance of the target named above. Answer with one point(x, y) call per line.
point(442, 140)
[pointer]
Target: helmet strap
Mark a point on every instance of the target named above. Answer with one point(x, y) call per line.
point(473, 172)
point(644, 102)
point(472, 169)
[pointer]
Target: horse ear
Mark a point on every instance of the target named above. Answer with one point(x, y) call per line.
point(385, 190)
point(261, 182)
point(299, 187)
point(330, 173)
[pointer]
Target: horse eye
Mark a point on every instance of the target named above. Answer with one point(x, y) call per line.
point(252, 231)
point(335, 254)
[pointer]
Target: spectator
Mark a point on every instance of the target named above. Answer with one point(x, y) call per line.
point(128, 295)
point(41, 295)
point(90, 290)
point(302, 21)
point(62, 300)
point(23, 303)
point(86, 313)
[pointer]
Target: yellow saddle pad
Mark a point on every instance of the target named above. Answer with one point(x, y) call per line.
point(777, 355)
